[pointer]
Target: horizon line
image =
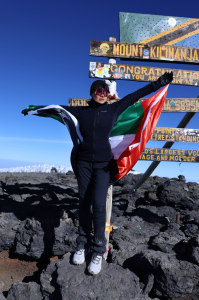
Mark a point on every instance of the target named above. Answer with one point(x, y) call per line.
point(10, 139)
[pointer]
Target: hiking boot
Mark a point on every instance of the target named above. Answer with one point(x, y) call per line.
point(95, 264)
point(79, 256)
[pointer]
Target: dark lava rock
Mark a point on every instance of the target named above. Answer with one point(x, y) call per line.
point(44, 221)
point(65, 236)
point(153, 214)
point(129, 179)
point(147, 282)
point(73, 282)
point(139, 231)
point(181, 177)
point(35, 238)
point(193, 188)
point(130, 238)
point(190, 230)
point(25, 291)
point(53, 170)
point(166, 241)
point(190, 217)
point(193, 245)
point(30, 239)
point(70, 173)
point(172, 278)
point(8, 227)
point(151, 197)
point(179, 195)
point(2, 296)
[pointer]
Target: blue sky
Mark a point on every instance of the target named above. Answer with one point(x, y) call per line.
point(44, 59)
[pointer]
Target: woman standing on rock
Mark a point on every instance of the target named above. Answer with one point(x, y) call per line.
point(93, 160)
point(93, 164)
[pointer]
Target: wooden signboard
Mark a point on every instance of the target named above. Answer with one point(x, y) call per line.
point(145, 51)
point(83, 101)
point(181, 105)
point(170, 105)
point(175, 135)
point(172, 155)
point(141, 73)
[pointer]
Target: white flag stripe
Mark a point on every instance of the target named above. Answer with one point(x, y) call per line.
point(119, 143)
point(32, 112)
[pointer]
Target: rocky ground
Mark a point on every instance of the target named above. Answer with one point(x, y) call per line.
point(154, 246)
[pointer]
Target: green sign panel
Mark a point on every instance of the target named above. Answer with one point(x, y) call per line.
point(158, 30)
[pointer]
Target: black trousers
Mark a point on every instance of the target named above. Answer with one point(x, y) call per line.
point(93, 182)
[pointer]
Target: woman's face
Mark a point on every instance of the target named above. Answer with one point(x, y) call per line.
point(99, 98)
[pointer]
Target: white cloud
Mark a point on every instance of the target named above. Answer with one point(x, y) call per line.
point(19, 139)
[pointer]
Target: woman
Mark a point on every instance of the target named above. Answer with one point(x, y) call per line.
point(93, 170)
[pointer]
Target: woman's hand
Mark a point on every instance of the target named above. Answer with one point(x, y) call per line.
point(165, 79)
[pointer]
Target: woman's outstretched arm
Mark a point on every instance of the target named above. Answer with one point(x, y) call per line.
point(130, 99)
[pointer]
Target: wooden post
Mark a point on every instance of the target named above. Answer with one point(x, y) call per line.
point(109, 194)
point(108, 218)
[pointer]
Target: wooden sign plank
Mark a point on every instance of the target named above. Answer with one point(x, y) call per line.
point(172, 155)
point(170, 105)
point(175, 135)
point(141, 73)
point(144, 51)
point(181, 105)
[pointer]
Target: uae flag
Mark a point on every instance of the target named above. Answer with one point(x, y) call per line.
point(131, 132)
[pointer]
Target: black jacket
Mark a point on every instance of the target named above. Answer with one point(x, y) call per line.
point(97, 120)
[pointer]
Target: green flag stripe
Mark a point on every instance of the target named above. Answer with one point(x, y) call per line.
point(33, 107)
point(129, 120)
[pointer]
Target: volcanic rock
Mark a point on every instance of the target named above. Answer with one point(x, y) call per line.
point(2, 296)
point(30, 239)
point(39, 219)
point(8, 228)
point(179, 195)
point(172, 278)
point(193, 249)
point(189, 217)
point(73, 282)
point(166, 241)
point(25, 291)
point(153, 214)
point(129, 179)
point(190, 230)
point(131, 236)
point(65, 236)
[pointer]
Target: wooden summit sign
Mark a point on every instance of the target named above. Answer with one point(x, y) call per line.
point(141, 73)
point(170, 105)
point(173, 155)
point(158, 30)
point(175, 135)
point(140, 52)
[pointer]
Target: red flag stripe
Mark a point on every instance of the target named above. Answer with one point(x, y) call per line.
point(152, 108)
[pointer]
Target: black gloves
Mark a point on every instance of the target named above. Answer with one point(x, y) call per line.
point(162, 81)
point(165, 78)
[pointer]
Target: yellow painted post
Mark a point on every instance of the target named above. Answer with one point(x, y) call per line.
point(109, 194)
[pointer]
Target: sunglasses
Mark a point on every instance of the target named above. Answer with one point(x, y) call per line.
point(100, 92)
